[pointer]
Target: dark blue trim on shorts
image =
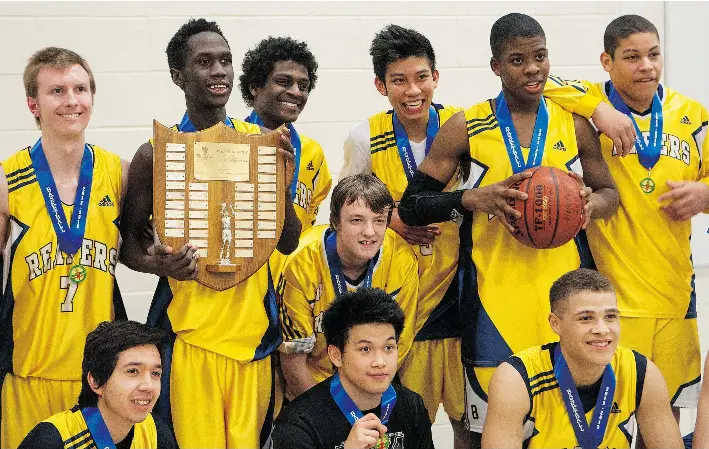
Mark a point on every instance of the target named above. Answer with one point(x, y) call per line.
point(267, 428)
point(474, 384)
point(444, 320)
point(584, 250)
point(682, 387)
point(273, 337)
point(692, 307)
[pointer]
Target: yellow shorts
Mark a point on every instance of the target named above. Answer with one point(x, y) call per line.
point(477, 381)
point(673, 345)
point(434, 370)
point(28, 400)
point(217, 402)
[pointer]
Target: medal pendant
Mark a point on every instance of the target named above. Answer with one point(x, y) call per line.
point(77, 274)
point(382, 442)
point(647, 185)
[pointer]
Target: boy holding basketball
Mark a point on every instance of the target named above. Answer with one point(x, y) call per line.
point(511, 276)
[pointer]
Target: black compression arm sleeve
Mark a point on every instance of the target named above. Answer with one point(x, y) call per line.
point(424, 202)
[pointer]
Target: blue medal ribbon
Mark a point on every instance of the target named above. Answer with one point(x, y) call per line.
point(509, 135)
point(336, 273)
point(648, 153)
point(69, 236)
point(97, 427)
point(295, 140)
point(186, 125)
point(350, 409)
point(587, 436)
point(402, 141)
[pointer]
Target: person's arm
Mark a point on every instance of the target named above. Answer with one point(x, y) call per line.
point(407, 298)
point(574, 96)
point(292, 431)
point(656, 423)
point(43, 436)
point(508, 404)
point(422, 424)
point(290, 234)
point(602, 197)
point(138, 252)
point(701, 428)
point(424, 201)
point(296, 374)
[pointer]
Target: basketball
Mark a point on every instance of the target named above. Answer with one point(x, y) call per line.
point(552, 214)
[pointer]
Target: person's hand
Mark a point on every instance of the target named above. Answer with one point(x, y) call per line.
point(686, 199)
point(588, 197)
point(365, 432)
point(414, 235)
point(180, 265)
point(287, 150)
point(617, 126)
point(493, 199)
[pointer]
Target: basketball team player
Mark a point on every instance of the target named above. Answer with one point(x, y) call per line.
point(219, 372)
point(503, 303)
point(644, 248)
point(391, 144)
point(60, 200)
point(356, 250)
point(584, 390)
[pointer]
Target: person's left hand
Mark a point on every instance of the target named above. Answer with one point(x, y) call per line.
point(686, 199)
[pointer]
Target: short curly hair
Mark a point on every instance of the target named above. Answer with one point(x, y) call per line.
point(177, 47)
point(259, 62)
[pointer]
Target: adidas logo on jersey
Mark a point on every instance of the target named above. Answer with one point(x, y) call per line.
point(310, 166)
point(685, 121)
point(615, 408)
point(106, 201)
point(559, 146)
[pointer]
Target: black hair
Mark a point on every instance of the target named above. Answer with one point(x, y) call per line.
point(512, 26)
point(623, 27)
point(364, 187)
point(177, 47)
point(363, 306)
point(577, 281)
point(394, 43)
point(103, 347)
point(259, 62)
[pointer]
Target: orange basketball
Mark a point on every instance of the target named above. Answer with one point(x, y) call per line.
point(552, 214)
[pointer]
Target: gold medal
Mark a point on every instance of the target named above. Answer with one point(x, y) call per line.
point(77, 273)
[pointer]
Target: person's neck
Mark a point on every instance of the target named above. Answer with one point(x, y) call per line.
point(352, 266)
point(205, 118)
point(520, 106)
point(63, 154)
point(362, 399)
point(118, 427)
point(636, 104)
point(582, 373)
point(268, 122)
point(415, 129)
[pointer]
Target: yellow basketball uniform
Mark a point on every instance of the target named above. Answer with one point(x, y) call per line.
point(646, 254)
point(230, 334)
point(45, 317)
point(73, 430)
point(548, 424)
point(305, 292)
point(504, 304)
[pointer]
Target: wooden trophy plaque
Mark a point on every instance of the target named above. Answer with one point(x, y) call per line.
point(221, 190)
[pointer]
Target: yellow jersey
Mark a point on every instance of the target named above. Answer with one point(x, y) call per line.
point(643, 252)
point(44, 316)
point(305, 291)
point(548, 423)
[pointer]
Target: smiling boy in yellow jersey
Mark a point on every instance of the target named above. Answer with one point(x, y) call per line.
point(644, 248)
point(218, 381)
point(356, 250)
point(60, 201)
point(404, 65)
point(504, 282)
point(584, 391)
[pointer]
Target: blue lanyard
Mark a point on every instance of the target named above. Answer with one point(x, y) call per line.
point(648, 153)
point(295, 140)
point(402, 141)
point(97, 427)
point(69, 236)
point(350, 409)
point(335, 266)
point(586, 436)
point(509, 135)
point(186, 125)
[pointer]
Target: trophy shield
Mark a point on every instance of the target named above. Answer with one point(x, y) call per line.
point(221, 190)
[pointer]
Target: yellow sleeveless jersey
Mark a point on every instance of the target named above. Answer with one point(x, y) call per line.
point(240, 323)
point(505, 300)
point(644, 253)
point(46, 317)
point(437, 315)
point(75, 433)
point(305, 291)
point(548, 425)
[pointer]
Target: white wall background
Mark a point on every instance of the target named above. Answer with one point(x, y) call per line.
point(125, 42)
